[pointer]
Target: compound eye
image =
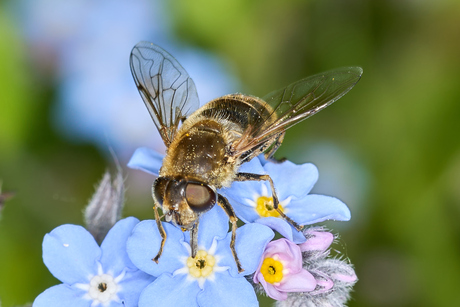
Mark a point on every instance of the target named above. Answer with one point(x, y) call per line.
point(200, 197)
point(159, 187)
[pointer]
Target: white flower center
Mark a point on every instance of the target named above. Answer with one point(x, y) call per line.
point(102, 288)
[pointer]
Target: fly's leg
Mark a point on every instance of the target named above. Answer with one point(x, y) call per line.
point(257, 177)
point(194, 238)
point(279, 139)
point(223, 202)
point(162, 233)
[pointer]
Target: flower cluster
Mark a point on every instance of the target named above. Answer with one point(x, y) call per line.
point(295, 270)
point(304, 275)
point(209, 279)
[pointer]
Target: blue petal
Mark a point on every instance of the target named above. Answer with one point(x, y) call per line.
point(262, 159)
point(283, 228)
point(297, 236)
point(254, 167)
point(132, 285)
point(250, 243)
point(291, 179)
point(317, 208)
point(147, 160)
point(242, 190)
point(278, 224)
point(62, 295)
point(167, 291)
point(71, 254)
point(144, 243)
point(114, 256)
point(228, 291)
point(213, 223)
point(243, 211)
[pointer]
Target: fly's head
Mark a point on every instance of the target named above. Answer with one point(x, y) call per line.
point(183, 200)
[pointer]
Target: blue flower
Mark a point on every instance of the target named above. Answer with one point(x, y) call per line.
point(209, 279)
point(91, 275)
point(147, 160)
point(252, 200)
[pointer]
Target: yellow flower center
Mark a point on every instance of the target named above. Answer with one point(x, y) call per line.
point(272, 270)
point(202, 265)
point(265, 207)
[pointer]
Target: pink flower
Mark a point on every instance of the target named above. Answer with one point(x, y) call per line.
point(280, 270)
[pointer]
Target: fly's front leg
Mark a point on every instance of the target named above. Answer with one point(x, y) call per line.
point(257, 177)
point(162, 233)
point(223, 202)
point(194, 238)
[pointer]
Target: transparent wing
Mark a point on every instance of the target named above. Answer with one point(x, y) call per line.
point(166, 88)
point(294, 103)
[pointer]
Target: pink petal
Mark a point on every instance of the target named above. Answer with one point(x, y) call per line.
point(288, 252)
point(319, 242)
point(325, 284)
point(300, 282)
point(345, 278)
point(271, 290)
point(255, 278)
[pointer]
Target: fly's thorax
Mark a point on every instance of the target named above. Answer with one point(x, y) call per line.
point(200, 152)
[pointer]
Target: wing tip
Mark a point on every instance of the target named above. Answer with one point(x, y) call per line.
point(355, 70)
point(358, 70)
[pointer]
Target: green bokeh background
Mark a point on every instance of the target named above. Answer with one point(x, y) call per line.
point(400, 127)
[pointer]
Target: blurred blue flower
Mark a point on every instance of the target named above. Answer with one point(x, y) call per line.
point(253, 202)
point(91, 275)
point(209, 279)
point(342, 173)
point(86, 44)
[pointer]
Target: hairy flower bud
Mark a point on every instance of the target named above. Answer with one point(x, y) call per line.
point(104, 209)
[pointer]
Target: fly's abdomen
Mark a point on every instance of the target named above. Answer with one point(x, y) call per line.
point(241, 110)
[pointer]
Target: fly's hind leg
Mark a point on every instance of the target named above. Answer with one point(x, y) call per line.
point(257, 177)
point(277, 143)
point(223, 202)
point(162, 233)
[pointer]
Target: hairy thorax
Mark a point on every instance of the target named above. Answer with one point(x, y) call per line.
point(200, 152)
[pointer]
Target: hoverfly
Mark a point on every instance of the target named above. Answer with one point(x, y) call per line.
point(206, 145)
